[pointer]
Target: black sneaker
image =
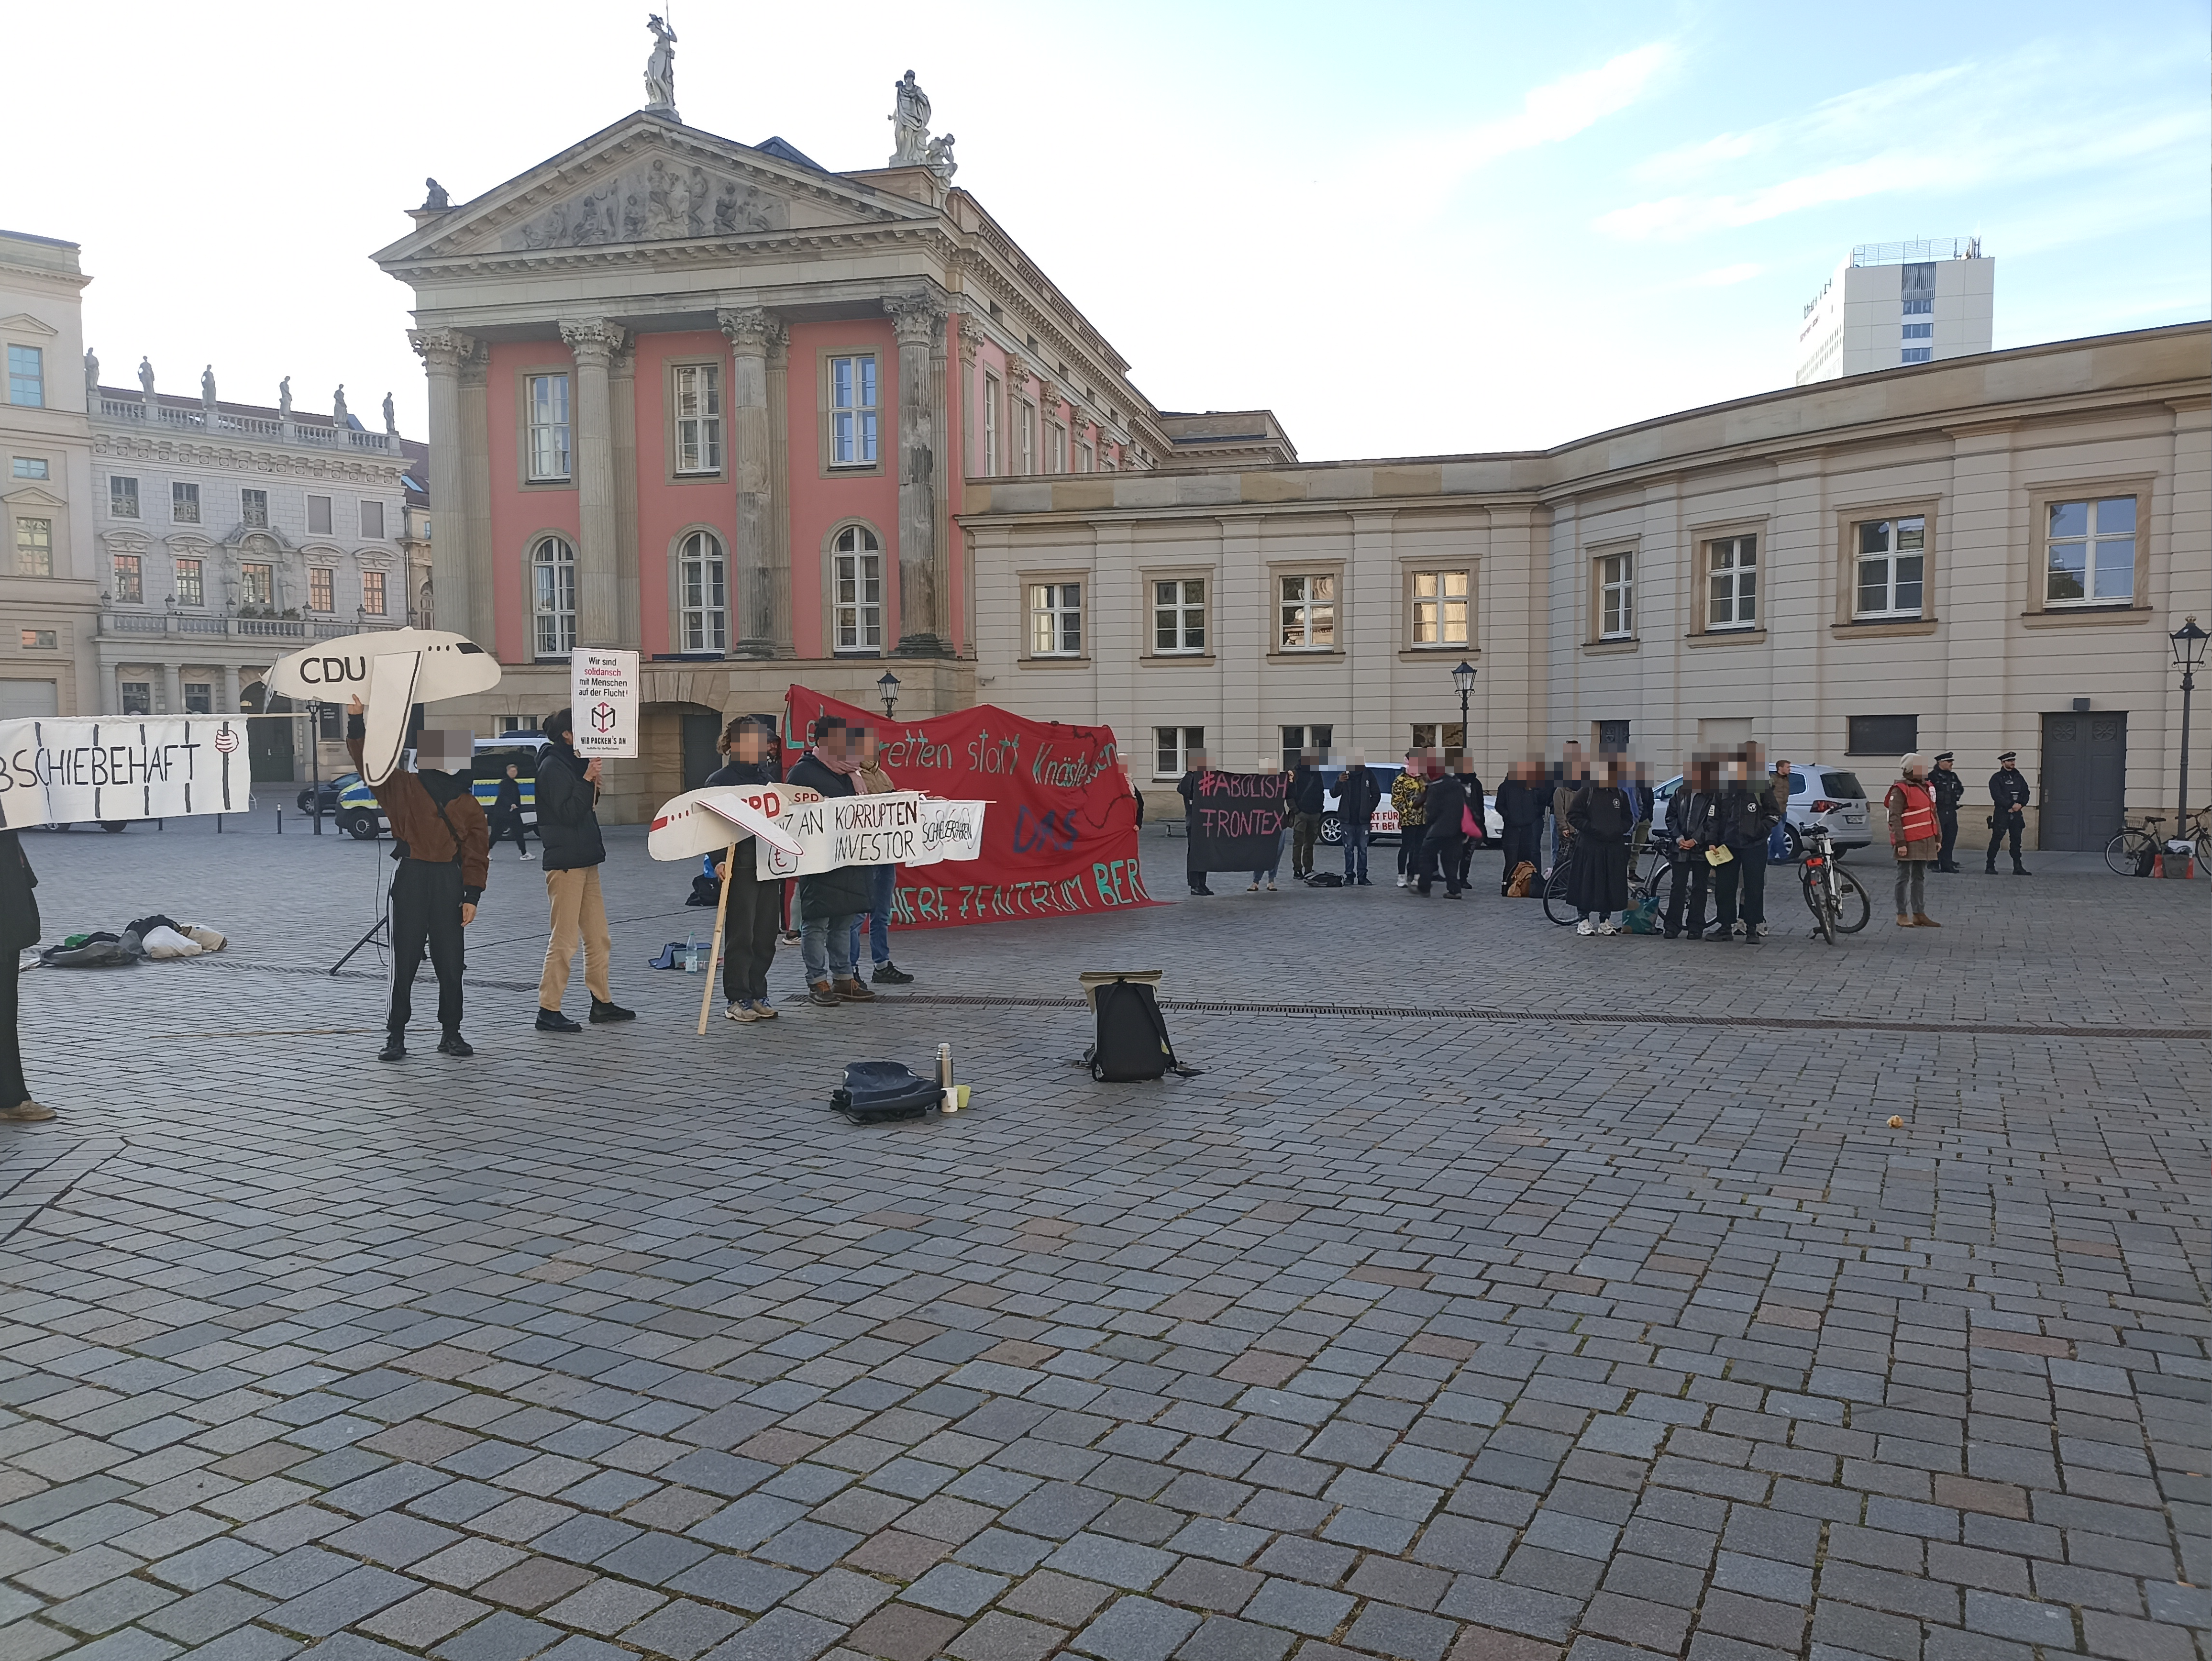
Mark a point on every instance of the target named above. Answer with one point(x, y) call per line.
point(454, 1044)
point(395, 1048)
point(604, 1013)
point(552, 1020)
point(889, 974)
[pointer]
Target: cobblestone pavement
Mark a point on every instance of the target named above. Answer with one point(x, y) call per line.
point(1598, 1313)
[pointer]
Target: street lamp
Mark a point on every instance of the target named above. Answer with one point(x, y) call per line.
point(1463, 679)
point(2188, 651)
point(887, 689)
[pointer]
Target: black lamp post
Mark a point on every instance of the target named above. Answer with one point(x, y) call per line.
point(1463, 679)
point(887, 689)
point(2188, 651)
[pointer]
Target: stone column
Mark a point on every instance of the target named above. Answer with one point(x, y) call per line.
point(473, 513)
point(621, 386)
point(229, 688)
point(594, 342)
point(916, 321)
point(779, 494)
point(441, 351)
point(172, 690)
point(752, 330)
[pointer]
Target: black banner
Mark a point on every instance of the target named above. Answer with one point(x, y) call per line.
point(1236, 821)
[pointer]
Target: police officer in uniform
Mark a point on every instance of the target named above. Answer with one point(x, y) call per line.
point(2009, 793)
point(1950, 790)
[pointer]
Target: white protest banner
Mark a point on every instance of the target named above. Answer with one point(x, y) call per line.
point(903, 827)
point(57, 771)
point(603, 700)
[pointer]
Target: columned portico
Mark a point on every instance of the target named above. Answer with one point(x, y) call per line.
point(594, 342)
point(916, 321)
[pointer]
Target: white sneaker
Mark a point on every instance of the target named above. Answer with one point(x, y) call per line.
point(1585, 928)
point(1401, 882)
point(527, 855)
point(1762, 931)
point(1608, 928)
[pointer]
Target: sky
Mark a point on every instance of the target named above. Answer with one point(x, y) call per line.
point(1406, 228)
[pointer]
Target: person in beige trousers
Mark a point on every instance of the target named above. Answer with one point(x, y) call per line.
point(572, 850)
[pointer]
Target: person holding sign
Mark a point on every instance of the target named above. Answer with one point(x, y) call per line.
point(444, 848)
point(19, 926)
point(568, 834)
point(832, 900)
point(755, 903)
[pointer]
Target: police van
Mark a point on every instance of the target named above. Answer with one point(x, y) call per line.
point(361, 818)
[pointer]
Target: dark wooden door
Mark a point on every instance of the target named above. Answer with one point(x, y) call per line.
point(2085, 765)
point(700, 759)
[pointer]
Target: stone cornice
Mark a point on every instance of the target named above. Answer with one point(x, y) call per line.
point(355, 469)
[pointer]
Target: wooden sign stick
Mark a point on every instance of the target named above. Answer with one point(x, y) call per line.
point(721, 911)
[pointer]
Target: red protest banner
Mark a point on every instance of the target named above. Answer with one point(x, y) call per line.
point(1060, 838)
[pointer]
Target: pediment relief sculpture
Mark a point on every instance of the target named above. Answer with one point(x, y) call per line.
point(663, 200)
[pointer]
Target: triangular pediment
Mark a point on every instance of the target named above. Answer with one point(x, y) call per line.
point(24, 323)
point(33, 495)
point(644, 180)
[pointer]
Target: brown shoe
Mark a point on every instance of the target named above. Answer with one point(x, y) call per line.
point(821, 993)
point(1904, 921)
point(27, 1112)
point(854, 990)
point(1922, 920)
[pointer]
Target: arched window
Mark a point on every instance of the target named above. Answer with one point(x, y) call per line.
point(702, 595)
point(856, 582)
point(553, 596)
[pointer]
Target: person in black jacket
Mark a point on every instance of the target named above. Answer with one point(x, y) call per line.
point(1187, 787)
point(832, 900)
point(568, 829)
point(1358, 793)
point(756, 903)
point(1306, 788)
point(1950, 791)
point(507, 809)
point(1690, 830)
point(2009, 796)
point(1522, 800)
point(1440, 841)
point(1745, 818)
point(1472, 784)
point(19, 928)
point(1600, 816)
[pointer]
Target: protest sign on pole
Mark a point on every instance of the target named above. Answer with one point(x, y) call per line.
point(904, 828)
point(603, 699)
point(63, 772)
point(1236, 821)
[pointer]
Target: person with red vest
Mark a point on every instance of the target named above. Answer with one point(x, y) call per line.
point(1916, 837)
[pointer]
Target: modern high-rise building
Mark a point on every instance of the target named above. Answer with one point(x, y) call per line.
point(1898, 302)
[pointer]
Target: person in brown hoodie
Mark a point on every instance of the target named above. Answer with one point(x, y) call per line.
point(443, 844)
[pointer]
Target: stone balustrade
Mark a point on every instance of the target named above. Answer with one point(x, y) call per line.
point(253, 426)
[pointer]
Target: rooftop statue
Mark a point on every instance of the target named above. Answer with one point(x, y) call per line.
point(660, 67)
point(910, 124)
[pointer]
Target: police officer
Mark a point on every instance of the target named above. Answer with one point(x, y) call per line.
point(2009, 793)
point(1950, 790)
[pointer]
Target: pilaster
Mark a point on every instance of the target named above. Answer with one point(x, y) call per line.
point(441, 351)
point(917, 321)
point(484, 562)
point(752, 331)
point(594, 342)
point(622, 390)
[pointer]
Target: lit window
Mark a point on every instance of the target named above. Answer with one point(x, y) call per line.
point(1172, 749)
point(1179, 615)
point(856, 572)
point(1919, 307)
point(372, 521)
point(547, 417)
point(27, 376)
point(253, 509)
point(852, 412)
point(372, 592)
point(30, 467)
point(199, 697)
point(990, 426)
point(1892, 557)
point(130, 579)
point(1916, 355)
point(1919, 330)
point(322, 584)
point(122, 497)
point(41, 639)
point(1440, 608)
point(319, 516)
point(1309, 614)
point(1616, 597)
point(1732, 580)
point(185, 504)
point(258, 584)
point(188, 582)
point(553, 596)
point(703, 582)
point(2091, 557)
point(34, 547)
point(1055, 620)
point(698, 418)
point(137, 698)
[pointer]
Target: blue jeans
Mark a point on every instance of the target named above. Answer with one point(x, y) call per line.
point(882, 880)
point(1355, 849)
point(822, 948)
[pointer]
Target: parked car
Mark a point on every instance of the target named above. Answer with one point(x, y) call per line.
point(1384, 827)
point(360, 816)
point(332, 789)
point(1818, 794)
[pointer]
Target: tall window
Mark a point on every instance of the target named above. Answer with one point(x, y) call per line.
point(1298, 739)
point(322, 588)
point(991, 426)
point(189, 589)
point(1086, 458)
point(2091, 552)
point(27, 376)
point(1025, 415)
point(1059, 448)
point(122, 497)
point(253, 509)
point(372, 592)
point(130, 579)
point(199, 697)
point(1179, 615)
point(1891, 556)
point(137, 698)
point(703, 587)
point(1616, 596)
point(553, 596)
point(698, 418)
point(852, 412)
point(547, 418)
point(1732, 583)
point(856, 575)
point(1309, 614)
point(257, 584)
point(1055, 620)
point(185, 504)
point(319, 516)
point(1440, 608)
point(372, 520)
point(1172, 747)
point(34, 547)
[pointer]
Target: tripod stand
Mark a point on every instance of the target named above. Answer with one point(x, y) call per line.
point(381, 926)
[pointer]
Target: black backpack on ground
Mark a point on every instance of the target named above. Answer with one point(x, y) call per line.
point(875, 1091)
point(1133, 1039)
point(1324, 879)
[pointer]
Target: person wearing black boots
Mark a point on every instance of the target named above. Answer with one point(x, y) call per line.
point(1187, 787)
point(2008, 796)
point(1950, 790)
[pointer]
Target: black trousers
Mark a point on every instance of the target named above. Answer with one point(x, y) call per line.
point(1190, 870)
point(1522, 841)
point(749, 930)
point(1743, 877)
point(1694, 875)
point(12, 1087)
point(1949, 821)
point(2007, 825)
point(1440, 857)
point(509, 825)
point(1466, 846)
point(425, 911)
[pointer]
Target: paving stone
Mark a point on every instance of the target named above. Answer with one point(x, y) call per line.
point(781, 1636)
point(902, 1633)
point(1136, 1629)
point(205, 1614)
point(1223, 1639)
point(501, 1636)
point(531, 1584)
point(1001, 1637)
point(423, 1620)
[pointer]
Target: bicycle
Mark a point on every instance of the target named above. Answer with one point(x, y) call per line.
point(1642, 884)
point(1838, 904)
point(2129, 853)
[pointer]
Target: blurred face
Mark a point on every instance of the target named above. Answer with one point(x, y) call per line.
point(1197, 761)
point(752, 745)
point(864, 745)
point(513, 771)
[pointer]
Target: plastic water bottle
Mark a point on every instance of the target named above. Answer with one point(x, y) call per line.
point(691, 952)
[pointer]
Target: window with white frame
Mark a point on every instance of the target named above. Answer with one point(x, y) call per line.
point(545, 418)
point(553, 596)
point(257, 584)
point(322, 588)
point(137, 698)
point(190, 591)
point(1892, 567)
point(30, 467)
point(1308, 608)
point(1616, 596)
point(1086, 457)
point(1055, 620)
point(27, 376)
point(122, 497)
point(856, 584)
point(991, 426)
point(1026, 419)
point(2089, 551)
point(1440, 608)
point(1179, 614)
point(183, 503)
point(253, 509)
point(852, 411)
point(1449, 737)
point(703, 586)
point(1731, 583)
point(372, 592)
point(1297, 740)
point(319, 516)
point(1172, 749)
point(41, 639)
point(698, 392)
point(34, 547)
point(372, 521)
point(130, 579)
point(199, 697)
point(1059, 448)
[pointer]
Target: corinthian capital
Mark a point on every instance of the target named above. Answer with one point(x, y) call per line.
point(1017, 371)
point(591, 339)
point(751, 329)
point(916, 318)
point(442, 350)
point(971, 338)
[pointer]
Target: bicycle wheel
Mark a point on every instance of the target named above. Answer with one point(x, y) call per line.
point(1556, 906)
point(1852, 900)
point(2126, 852)
point(1825, 916)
